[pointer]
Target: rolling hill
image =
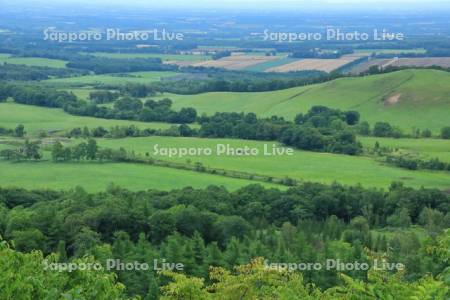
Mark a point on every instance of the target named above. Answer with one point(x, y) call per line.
point(408, 99)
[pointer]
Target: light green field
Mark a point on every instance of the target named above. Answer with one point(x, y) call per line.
point(423, 99)
point(32, 61)
point(81, 93)
point(96, 177)
point(36, 118)
point(271, 64)
point(133, 77)
point(164, 57)
point(308, 166)
point(424, 148)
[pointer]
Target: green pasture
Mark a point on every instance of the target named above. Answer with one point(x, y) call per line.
point(132, 77)
point(303, 165)
point(32, 61)
point(96, 177)
point(37, 119)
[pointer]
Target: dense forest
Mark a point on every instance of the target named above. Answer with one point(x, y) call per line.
point(213, 227)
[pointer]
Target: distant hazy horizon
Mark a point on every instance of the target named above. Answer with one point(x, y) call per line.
point(255, 4)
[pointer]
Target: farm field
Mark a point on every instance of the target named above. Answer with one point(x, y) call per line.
point(424, 93)
point(95, 177)
point(390, 51)
point(262, 67)
point(237, 62)
point(36, 119)
point(133, 77)
point(164, 57)
point(424, 148)
point(303, 165)
point(325, 65)
point(32, 61)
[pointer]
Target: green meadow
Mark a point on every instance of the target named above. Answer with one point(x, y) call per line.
point(408, 99)
point(32, 61)
point(303, 165)
point(132, 77)
point(96, 177)
point(37, 119)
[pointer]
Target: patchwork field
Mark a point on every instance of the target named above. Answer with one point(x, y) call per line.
point(423, 99)
point(237, 62)
point(325, 65)
point(32, 61)
point(133, 77)
point(307, 166)
point(164, 57)
point(37, 119)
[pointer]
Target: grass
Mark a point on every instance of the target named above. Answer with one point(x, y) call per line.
point(96, 177)
point(308, 166)
point(424, 100)
point(81, 93)
point(133, 77)
point(36, 118)
point(424, 148)
point(164, 57)
point(32, 61)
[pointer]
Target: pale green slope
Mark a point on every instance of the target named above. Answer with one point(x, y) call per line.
point(423, 99)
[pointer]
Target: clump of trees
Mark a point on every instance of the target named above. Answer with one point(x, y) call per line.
point(86, 151)
point(415, 163)
point(101, 97)
point(129, 108)
point(12, 72)
point(445, 133)
point(321, 129)
point(28, 151)
point(19, 131)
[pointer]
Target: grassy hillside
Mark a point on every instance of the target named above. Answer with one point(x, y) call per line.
point(409, 99)
point(96, 176)
point(308, 166)
point(36, 118)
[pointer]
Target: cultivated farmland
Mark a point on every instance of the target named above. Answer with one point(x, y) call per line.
point(325, 65)
point(234, 62)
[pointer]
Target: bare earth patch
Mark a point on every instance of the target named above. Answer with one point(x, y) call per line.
point(392, 99)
